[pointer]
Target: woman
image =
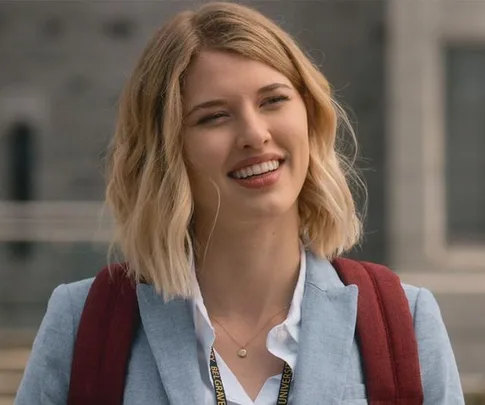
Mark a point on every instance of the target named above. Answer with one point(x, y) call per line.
point(230, 199)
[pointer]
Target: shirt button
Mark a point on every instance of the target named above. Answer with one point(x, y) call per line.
point(281, 335)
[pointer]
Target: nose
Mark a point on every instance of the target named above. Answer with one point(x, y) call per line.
point(252, 132)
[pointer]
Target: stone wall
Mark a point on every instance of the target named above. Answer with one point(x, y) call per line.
point(62, 67)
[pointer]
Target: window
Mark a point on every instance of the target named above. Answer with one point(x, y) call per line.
point(465, 144)
point(121, 28)
point(436, 136)
point(20, 183)
point(20, 155)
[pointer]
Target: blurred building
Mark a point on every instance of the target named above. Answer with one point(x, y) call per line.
point(411, 73)
point(435, 135)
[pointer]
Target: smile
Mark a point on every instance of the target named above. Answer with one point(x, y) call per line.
point(256, 170)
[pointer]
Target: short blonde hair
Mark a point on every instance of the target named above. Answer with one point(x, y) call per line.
point(148, 186)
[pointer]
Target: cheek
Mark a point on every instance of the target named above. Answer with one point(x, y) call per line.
point(205, 154)
point(296, 137)
point(295, 124)
point(298, 143)
point(304, 136)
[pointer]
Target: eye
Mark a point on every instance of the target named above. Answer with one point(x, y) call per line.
point(275, 100)
point(211, 118)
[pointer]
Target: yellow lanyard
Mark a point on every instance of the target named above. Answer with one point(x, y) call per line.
point(220, 394)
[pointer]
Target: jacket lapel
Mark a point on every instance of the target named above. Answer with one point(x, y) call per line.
point(329, 312)
point(171, 335)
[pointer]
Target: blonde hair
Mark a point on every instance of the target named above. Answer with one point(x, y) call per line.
point(148, 186)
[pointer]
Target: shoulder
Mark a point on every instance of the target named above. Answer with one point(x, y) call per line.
point(66, 304)
point(427, 319)
point(46, 376)
point(425, 311)
point(420, 297)
point(76, 293)
point(439, 371)
point(428, 322)
point(64, 310)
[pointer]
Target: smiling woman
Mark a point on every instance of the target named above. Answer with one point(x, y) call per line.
point(204, 103)
point(233, 207)
point(247, 146)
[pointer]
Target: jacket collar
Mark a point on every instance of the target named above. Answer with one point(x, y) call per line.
point(329, 313)
point(171, 335)
point(328, 319)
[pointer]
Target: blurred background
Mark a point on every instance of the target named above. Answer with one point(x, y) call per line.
point(410, 72)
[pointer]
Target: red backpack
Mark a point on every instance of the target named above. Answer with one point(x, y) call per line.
point(387, 344)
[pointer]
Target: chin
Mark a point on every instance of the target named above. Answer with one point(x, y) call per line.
point(273, 207)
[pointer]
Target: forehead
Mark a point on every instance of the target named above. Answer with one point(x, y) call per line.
point(221, 74)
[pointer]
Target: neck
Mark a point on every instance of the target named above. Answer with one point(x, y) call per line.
point(249, 272)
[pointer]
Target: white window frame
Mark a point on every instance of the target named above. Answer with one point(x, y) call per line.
point(45, 221)
point(25, 103)
point(416, 126)
point(56, 221)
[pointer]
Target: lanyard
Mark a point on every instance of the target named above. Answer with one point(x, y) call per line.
point(283, 395)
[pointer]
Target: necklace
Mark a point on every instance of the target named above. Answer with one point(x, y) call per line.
point(243, 351)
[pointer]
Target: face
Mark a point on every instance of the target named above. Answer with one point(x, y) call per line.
point(245, 135)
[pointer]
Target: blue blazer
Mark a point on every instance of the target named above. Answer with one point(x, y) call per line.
point(164, 366)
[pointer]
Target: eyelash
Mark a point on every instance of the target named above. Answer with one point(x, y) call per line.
point(277, 99)
point(210, 118)
point(269, 100)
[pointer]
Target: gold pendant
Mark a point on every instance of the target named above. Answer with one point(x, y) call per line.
point(242, 353)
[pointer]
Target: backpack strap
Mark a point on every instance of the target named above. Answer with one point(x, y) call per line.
point(385, 334)
point(103, 345)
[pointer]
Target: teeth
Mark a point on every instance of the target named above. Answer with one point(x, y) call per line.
point(254, 170)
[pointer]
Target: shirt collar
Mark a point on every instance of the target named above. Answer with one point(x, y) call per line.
point(293, 320)
point(205, 332)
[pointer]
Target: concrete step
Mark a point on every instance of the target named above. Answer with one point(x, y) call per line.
point(13, 358)
point(9, 382)
point(6, 400)
point(12, 364)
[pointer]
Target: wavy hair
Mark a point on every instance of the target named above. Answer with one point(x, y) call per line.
point(148, 189)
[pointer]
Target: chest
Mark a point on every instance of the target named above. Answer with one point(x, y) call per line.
point(150, 381)
point(251, 371)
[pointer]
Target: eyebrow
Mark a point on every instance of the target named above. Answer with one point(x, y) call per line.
point(221, 102)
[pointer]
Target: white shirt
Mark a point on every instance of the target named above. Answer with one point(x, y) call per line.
point(282, 342)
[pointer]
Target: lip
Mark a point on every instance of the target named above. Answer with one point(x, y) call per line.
point(256, 160)
point(262, 181)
